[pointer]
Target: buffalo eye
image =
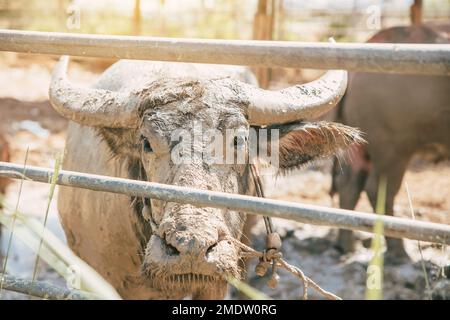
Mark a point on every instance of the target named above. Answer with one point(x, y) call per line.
point(146, 144)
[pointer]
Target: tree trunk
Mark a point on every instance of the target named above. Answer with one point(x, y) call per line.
point(280, 20)
point(136, 28)
point(263, 30)
point(416, 13)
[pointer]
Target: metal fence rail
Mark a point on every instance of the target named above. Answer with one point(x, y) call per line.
point(346, 219)
point(425, 59)
point(42, 289)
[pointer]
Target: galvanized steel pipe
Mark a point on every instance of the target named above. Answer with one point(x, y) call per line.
point(42, 289)
point(345, 219)
point(425, 59)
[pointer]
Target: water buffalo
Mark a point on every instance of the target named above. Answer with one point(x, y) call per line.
point(123, 126)
point(399, 115)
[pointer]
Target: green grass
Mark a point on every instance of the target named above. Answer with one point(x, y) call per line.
point(248, 290)
point(56, 254)
point(374, 282)
point(14, 217)
point(419, 247)
point(49, 248)
point(52, 181)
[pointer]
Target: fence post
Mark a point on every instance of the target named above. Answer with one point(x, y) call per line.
point(263, 30)
point(136, 27)
point(416, 13)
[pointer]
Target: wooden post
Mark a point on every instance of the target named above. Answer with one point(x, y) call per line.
point(263, 30)
point(416, 13)
point(280, 20)
point(136, 27)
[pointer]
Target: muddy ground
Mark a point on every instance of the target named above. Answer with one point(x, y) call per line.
point(30, 123)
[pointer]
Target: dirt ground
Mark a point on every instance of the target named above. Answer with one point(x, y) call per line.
point(30, 123)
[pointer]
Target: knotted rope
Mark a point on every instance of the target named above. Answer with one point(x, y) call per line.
point(272, 255)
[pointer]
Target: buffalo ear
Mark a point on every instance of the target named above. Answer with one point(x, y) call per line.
point(304, 142)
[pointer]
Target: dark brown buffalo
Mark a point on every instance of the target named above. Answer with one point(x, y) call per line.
point(400, 114)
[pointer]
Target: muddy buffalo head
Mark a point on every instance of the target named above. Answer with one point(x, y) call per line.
point(167, 124)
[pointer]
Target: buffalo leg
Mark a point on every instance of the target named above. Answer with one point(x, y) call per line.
point(394, 175)
point(349, 184)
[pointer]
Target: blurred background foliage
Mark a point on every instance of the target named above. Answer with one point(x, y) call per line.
point(346, 20)
point(293, 20)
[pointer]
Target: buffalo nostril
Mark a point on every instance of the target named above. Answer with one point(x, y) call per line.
point(171, 250)
point(211, 248)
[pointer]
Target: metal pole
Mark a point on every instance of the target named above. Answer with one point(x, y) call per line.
point(425, 59)
point(43, 289)
point(345, 219)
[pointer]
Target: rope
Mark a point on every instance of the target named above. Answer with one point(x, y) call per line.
point(260, 193)
point(276, 257)
point(272, 255)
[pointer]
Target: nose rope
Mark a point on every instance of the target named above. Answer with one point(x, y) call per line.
point(272, 255)
point(260, 193)
point(146, 204)
point(273, 240)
